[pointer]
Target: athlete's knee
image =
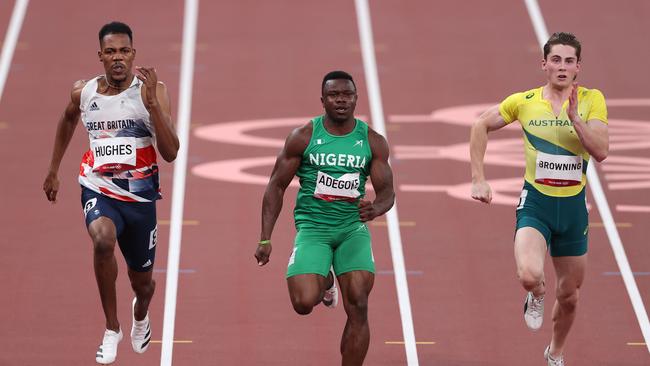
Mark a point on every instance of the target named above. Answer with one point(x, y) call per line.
point(302, 306)
point(143, 287)
point(568, 298)
point(530, 278)
point(357, 308)
point(103, 244)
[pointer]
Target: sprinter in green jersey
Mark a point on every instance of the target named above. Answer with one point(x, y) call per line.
point(332, 155)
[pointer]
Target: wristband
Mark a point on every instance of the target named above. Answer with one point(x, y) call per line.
point(264, 242)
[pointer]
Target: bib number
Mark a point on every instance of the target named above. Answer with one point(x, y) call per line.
point(558, 170)
point(343, 188)
point(113, 154)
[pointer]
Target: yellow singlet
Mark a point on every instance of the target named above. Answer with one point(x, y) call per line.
point(556, 161)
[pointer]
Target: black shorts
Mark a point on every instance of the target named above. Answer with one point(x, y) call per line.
point(135, 224)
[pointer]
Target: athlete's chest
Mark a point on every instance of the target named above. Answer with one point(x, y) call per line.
point(544, 121)
point(351, 153)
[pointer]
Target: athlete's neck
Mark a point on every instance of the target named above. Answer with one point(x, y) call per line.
point(556, 93)
point(117, 86)
point(339, 127)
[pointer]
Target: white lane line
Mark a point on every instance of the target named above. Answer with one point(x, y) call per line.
point(603, 207)
point(180, 169)
point(11, 38)
point(377, 114)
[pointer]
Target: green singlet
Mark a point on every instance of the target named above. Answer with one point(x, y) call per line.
point(333, 175)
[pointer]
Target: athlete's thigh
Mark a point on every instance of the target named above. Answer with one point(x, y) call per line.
point(533, 231)
point(355, 287)
point(530, 249)
point(353, 250)
point(102, 218)
point(570, 272)
point(306, 287)
point(139, 238)
point(312, 253)
point(571, 239)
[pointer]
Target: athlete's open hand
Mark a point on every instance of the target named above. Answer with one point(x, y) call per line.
point(150, 80)
point(481, 191)
point(51, 187)
point(572, 111)
point(367, 211)
point(263, 254)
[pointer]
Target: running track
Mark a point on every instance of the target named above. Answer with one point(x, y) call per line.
point(265, 60)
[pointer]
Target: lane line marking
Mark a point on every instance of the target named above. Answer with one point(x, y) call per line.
point(377, 114)
point(185, 222)
point(619, 273)
point(402, 342)
point(603, 207)
point(11, 38)
point(180, 170)
point(618, 224)
point(401, 223)
point(176, 341)
point(636, 343)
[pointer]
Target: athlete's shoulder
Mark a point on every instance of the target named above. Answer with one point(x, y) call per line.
point(584, 92)
point(378, 143)
point(298, 139)
point(77, 88)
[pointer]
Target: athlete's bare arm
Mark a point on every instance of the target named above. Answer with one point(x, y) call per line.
point(64, 132)
point(381, 176)
point(593, 134)
point(490, 120)
point(156, 100)
point(286, 166)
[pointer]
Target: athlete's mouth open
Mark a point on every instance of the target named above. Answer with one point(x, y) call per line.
point(118, 68)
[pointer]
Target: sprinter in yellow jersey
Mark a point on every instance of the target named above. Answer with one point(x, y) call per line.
point(563, 125)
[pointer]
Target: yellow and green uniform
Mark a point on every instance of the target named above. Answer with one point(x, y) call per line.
point(556, 164)
point(333, 175)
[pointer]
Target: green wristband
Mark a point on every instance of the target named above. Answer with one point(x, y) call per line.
point(264, 242)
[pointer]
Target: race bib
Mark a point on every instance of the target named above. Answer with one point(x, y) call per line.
point(343, 188)
point(113, 154)
point(558, 170)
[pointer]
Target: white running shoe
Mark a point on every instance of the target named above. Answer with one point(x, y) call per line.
point(331, 298)
point(534, 311)
point(140, 332)
point(559, 361)
point(107, 351)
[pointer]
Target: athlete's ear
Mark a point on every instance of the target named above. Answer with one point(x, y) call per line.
point(322, 101)
point(99, 55)
point(544, 64)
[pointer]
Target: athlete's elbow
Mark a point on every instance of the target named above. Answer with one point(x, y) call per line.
point(169, 156)
point(600, 157)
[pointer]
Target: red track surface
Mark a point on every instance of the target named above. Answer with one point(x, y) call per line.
point(259, 60)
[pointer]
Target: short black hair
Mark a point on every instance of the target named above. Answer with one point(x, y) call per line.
point(334, 75)
point(115, 28)
point(563, 38)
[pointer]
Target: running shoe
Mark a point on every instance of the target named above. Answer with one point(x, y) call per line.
point(550, 361)
point(107, 351)
point(331, 298)
point(534, 311)
point(140, 332)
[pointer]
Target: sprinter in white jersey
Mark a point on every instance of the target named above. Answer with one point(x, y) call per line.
point(125, 115)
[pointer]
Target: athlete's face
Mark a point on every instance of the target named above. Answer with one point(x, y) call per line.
point(117, 55)
point(561, 66)
point(339, 99)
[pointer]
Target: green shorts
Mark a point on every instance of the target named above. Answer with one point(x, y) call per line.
point(563, 221)
point(316, 250)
